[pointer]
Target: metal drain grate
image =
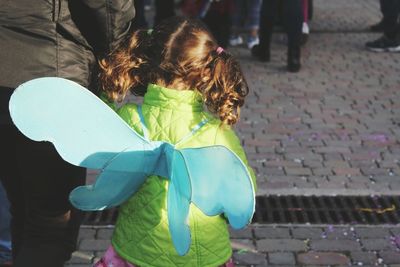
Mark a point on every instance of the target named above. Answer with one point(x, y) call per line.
point(304, 209)
point(328, 210)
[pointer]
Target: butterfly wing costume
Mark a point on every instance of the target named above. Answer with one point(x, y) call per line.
point(88, 133)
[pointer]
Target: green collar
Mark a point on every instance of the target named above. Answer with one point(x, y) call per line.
point(185, 100)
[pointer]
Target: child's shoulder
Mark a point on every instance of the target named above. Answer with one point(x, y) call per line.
point(128, 112)
point(128, 107)
point(224, 134)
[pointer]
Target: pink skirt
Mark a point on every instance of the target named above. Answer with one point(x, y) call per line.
point(112, 259)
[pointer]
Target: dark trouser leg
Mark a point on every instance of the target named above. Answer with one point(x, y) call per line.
point(164, 9)
point(293, 18)
point(38, 182)
point(390, 10)
point(268, 14)
point(220, 26)
point(5, 232)
point(139, 21)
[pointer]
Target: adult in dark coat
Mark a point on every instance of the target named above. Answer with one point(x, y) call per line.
point(48, 38)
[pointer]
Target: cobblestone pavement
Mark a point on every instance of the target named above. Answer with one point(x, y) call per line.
point(331, 129)
point(284, 245)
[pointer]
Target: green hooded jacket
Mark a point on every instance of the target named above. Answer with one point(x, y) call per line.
point(141, 234)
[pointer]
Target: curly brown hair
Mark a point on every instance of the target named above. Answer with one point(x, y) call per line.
point(177, 51)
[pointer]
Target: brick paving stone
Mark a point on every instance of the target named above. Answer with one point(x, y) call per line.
point(304, 185)
point(394, 186)
point(341, 178)
point(375, 232)
point(378, 244)
point(297, 171)
point(279, 185)
point(332, 185)
point(280, 258)
point(307, 233)
point(395, 231)
point(334, 232)
point(359, 185)
point(242, 233)
point(364, 258)
point(322, 171)
point(278, 245)
point(86, 233)
point(323, 258)
point(333, 150)
point(346, 171)
point(271, 232)
point(94, 244)
point(250, 258)
point(335, 245)
point(105, 233)
point(333, 156)
point(390, 257)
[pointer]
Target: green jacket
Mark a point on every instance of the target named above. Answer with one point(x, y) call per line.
point(141, 234)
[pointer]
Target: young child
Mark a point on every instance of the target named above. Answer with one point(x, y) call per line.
point(179, 69)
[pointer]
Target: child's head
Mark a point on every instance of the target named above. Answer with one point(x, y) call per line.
point(178, 53)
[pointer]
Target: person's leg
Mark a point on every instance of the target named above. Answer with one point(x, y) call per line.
point(305, 27)
point(219, 25)
point(305, 10)
point(44, 227)
point(268, 15)
point(253, 22)
point(5, 231)
point(9, 174)
point(51, 225)
point(378, 27)
point(293, 17)
point(237, 21)
point(390, 41)
point(390, 10)
point(139, 22)
point(219, 21)
point(164, 9)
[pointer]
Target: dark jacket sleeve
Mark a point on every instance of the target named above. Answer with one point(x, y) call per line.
point(102, 23)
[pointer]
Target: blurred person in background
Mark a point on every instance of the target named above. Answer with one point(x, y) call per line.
point(390, 25)
point(293, 22)
point(216, 14)
point(48, 38)
point(246, 13)
point(306, 27)
point(163, 9)
point(140, 22)
point(378, 27)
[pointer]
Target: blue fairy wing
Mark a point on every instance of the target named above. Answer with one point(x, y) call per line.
point(88, 133)
point(178, 200)
point(215, 180)
point(220, 184)
point(84, 130)
point(120, 179)
point(110, 189)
